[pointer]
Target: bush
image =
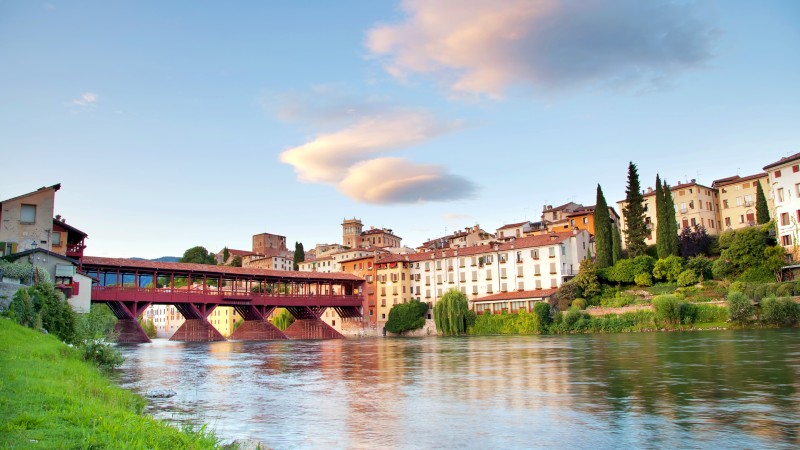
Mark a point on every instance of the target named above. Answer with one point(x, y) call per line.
point(568, 292)
point(21, 309)
point(667, 309)
point(710, 314)
point(542, 312)
point(579, 303)
point(785, 290)
point(701, 267)
point(57, 316)
point(779, 311)
point(722, 269)
point(687, 278)
point(575, 319)
point(668, 268)
point(19, 270)
point(737, 286)
point(406, 316)
point(757, 274)
point(98, 323)
point(643, 279)
point(740, 308)
point(101, 353)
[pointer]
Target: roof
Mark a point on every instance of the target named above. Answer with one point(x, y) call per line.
point(514, 225)
point(559, 208)
point(673, 188)
point(782, 161)
point(54, 187)
point(234, 252)
point(516, 295)
point(518, 243)
point(737, 179)
point(133, 264)
point(16, 256)
point(68, 228)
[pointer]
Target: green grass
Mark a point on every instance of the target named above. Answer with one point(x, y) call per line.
point(51, 398)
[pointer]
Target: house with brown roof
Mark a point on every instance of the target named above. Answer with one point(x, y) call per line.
point(737, 199)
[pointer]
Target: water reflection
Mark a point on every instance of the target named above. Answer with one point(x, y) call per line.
point(731, 389)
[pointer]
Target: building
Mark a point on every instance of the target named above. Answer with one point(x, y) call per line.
point(26, 221)
point(695, 204)
point(533, 263)
point(737, 199)
point(64, 273)
point(354, 236)
point(468, 237)
point(67, 240)
point(273, 260)
point(784, 191)
point(519, 229)
point(232, 253)
point(551, 214)
point(265, 242)
point(581, 218)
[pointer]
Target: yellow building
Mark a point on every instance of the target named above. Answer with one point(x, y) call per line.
point(695, 204)
point(393, 284)
point(737, 199)
point(223, 318)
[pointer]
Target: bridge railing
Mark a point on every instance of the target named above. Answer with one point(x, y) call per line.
point(242, 297)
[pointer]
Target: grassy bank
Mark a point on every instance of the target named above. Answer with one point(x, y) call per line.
point(51, 398)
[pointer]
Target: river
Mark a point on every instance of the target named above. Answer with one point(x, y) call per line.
point(730, 389)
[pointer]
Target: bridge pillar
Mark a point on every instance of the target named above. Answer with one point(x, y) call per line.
point(129, 331)
point(197, 330)
point(195, 327)
point(257, 330)
point(308, 325)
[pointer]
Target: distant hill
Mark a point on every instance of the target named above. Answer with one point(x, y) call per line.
point(162, 259)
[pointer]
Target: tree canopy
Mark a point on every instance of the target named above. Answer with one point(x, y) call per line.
point(762, 209)
point(603, 240)
point(669, 216)
point(406, 316)
point(198, 255)
point(636, 229)
point(451, 313)
point(299, 255)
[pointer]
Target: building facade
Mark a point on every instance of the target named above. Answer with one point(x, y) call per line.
point(26, 221)
point(784, 190)
point(737, 199)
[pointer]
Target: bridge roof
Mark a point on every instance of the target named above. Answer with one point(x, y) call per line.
point(139, 264)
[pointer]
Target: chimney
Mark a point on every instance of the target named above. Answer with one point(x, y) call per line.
point(694, 180)
point(649, 190)
point(58, 217)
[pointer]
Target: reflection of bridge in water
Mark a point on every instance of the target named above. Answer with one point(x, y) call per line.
point(129, 286)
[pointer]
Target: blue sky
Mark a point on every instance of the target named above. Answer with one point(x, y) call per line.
point(174, 124)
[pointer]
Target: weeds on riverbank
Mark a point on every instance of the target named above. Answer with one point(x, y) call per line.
point(51, 398)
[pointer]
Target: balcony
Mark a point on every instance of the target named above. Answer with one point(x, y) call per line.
point(75, 250)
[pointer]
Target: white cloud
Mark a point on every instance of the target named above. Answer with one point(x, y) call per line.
point(395, 180)
point(351, 158)
point(480, 47)
point(86, 100)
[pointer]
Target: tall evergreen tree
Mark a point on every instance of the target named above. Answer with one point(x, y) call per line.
point(669, 217)
point(602, 232)
point(636, 230)
point(616, 244)
point(299, 254)
point(762, 210)
point(663, 228)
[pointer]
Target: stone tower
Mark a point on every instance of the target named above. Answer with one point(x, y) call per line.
point(351, 232)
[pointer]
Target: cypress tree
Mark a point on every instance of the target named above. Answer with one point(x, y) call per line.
point(633, 212)
point(299, 254)
point(662, 226)
point(762, 210)
point(602, 232)
point(669, 217)
point(616, 244)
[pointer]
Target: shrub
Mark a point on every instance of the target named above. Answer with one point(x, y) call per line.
point(778, 311)
point(643, 279)
point(98, 323)
point(102, 353)
point(721, 269)
point(21, 309)
point(406, 316)
point(701, 267)
point(737, 286)
point(575, 319)
point(668, 268)
point(710, 313)
point(568, 292)
point(785, 290)
point(579, 303)
point(57, 316)
point(18, 270)
point(667, 309)
point(757, 274)
point(542, 312)
point(687, 278)
point(740, 308)
point(796, 289)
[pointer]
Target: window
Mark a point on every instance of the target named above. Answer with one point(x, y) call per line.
point(784, 218)
point(777, 174)
point(797, 189)
point(27, 214)
point(56, 238)
point(725, 203)
point(535, 253)
point(552, 252)
point(786, 240)
point(795, 168)
point(694, 221)
point(739, 201)
point(727, 221)
point(780, 194)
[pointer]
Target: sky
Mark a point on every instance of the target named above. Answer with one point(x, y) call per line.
point(182, 123)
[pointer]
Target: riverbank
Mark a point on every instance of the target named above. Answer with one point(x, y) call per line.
point(51, 398)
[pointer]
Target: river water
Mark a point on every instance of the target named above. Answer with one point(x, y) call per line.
point(729, 389)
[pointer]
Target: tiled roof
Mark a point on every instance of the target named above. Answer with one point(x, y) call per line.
point(69, 228)
point(513, 225)
point(234, 252)
point(54, 187)
point(784, 160)
point(518, 243)
point(737, 179)
point(516, 295)
point(133, 264)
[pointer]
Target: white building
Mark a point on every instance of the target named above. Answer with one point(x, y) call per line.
point(784, 191)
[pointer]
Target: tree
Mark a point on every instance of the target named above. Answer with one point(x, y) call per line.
point(225, 255)
point(762, 210)
point(602, 232)
point(406, 316)
point(694, 241)
point(740, 308)
point(299, 255)
point(669, 217)
point(451, 313)
point(587, 279)
point(236, 261)
point(662, 227)
point(198, 255)
point(616, 244)
point(775, 259)
point(633, 212)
